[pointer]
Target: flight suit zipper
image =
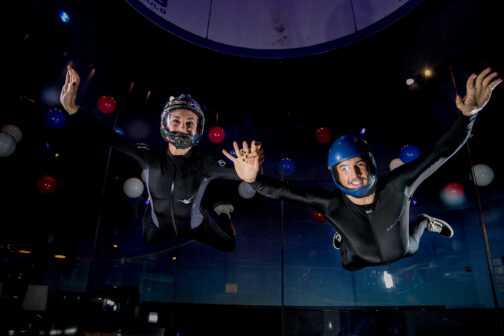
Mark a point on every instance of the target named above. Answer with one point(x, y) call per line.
point(173, 204)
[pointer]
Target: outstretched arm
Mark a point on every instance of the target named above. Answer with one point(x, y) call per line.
point(93, 127)
point(247, 164)
point(478, 91)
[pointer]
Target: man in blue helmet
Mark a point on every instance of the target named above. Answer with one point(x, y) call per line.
point(371, 214)
point(177, 178)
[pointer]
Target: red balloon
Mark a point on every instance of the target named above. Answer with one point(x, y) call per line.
point(319, 218)
point(216, 134)
point(323, 135)
point(454, 191)
point(107, 104)
point(46, 184)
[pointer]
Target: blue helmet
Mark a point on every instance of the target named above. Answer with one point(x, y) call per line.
point(347, 147)
point(182, 141)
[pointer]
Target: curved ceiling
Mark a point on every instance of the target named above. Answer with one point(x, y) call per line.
point(273, 28)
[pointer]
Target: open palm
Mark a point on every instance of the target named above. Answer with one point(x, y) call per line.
point(246, 162)
point(478, 91)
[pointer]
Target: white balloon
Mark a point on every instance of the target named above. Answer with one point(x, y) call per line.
point(7, 144)
point(483, 174)
point(14, 131)
point(133, 187)
point(50, 96)
point(245, 190)
point(395, 163)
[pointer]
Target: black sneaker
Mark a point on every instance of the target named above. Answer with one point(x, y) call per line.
point(225, 223)
point(337, 240)
point(439, 226)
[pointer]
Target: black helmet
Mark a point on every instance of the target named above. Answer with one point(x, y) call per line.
point(182, 141)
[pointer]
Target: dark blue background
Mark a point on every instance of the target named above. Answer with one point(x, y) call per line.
point(283, 257)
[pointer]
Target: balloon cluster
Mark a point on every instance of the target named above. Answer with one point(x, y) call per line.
point(453, 193)
point(10, 135)
point(55, 119)
point(133, 187)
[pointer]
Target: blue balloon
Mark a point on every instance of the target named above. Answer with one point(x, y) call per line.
point(55, 118)
point(233, 153)
point(409, 153)
point(287, 166)
point(119, 131)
